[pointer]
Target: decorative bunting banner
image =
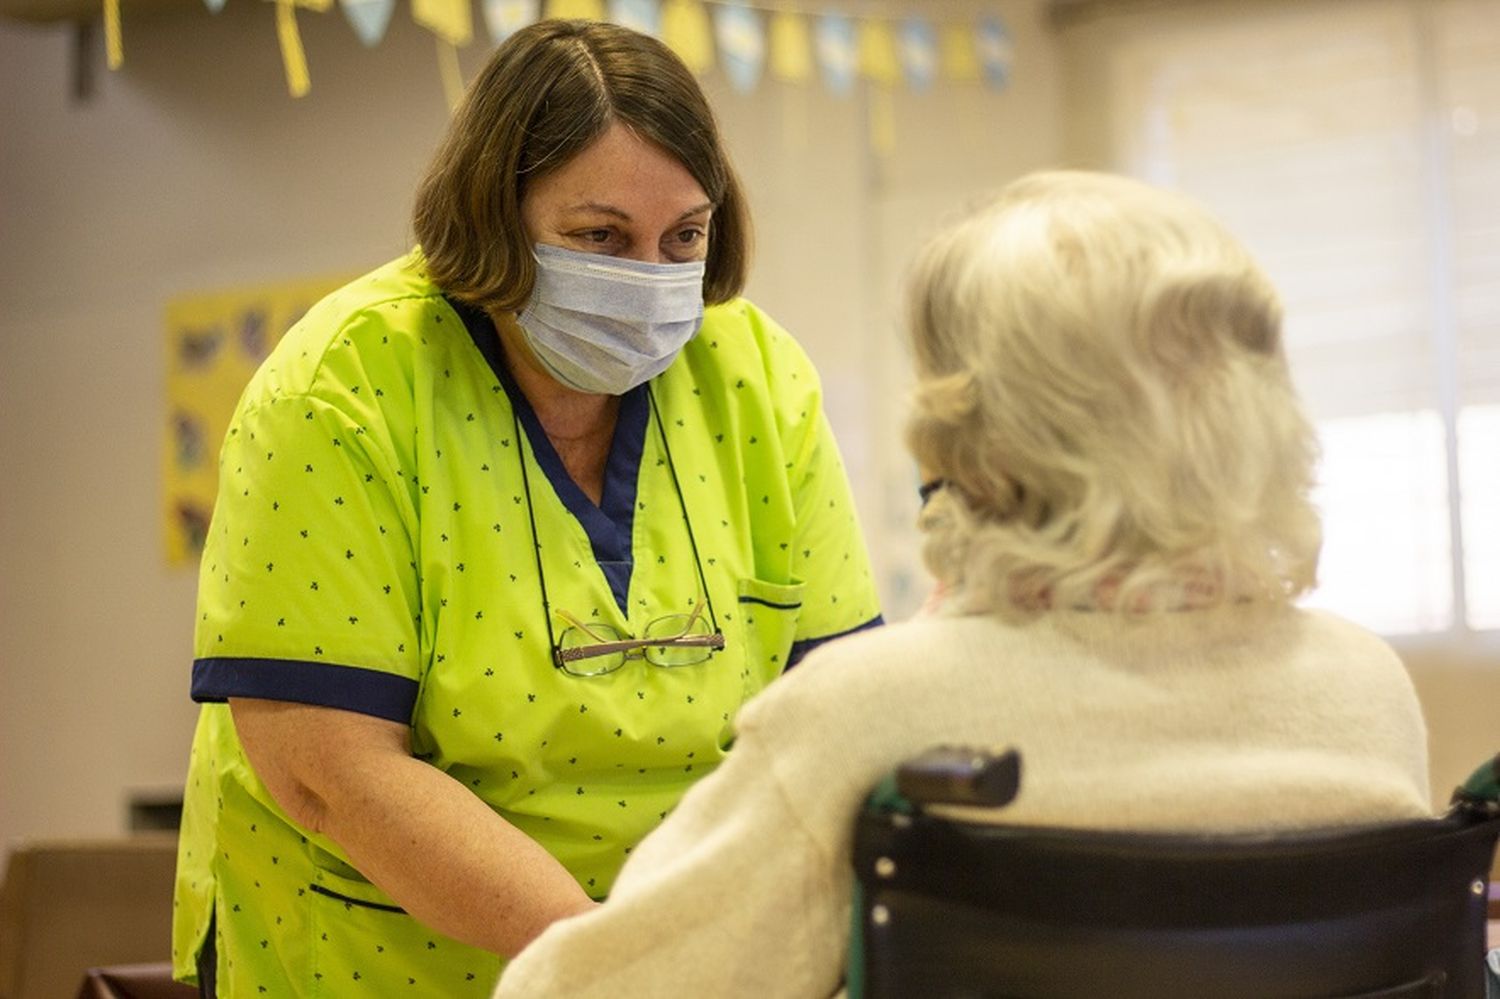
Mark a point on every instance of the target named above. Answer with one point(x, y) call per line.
point(995, 51)
point(450, 20)
point(685, 29)
point(794, 41)
point(504, 18)
point(879, 61)
point(638, 15)
point(919, 58)
point(114, 47)
point(836, 53)
point(293, 59)
point(742, 45)
point(581, 10)
point(791, 48)
point(452, 75)
point(368, 18)
point(960, 60)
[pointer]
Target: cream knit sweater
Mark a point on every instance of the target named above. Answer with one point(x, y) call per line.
point(1232, 719)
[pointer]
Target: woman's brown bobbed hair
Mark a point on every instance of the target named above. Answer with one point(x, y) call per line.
point(548, 92)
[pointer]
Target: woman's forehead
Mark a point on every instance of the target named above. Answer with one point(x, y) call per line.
point(619, 173)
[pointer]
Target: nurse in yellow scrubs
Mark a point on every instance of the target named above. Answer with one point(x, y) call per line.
point(507, 531)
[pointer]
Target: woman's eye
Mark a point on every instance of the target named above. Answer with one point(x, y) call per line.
point(689, 237)
point(596, 236)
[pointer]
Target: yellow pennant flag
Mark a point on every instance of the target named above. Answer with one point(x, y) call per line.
point(320, 6)
point(791, 47)
point(584, 10)
point(293, 59)
point(114, 49)
point(686, 30)
point(450, 20)
point(879, 58)
point(882, 120)
point(959, 56)
point(453, 77)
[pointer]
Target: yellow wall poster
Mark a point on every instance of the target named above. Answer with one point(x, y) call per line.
point(214, 344)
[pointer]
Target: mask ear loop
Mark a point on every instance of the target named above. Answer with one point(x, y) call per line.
point(682, 503)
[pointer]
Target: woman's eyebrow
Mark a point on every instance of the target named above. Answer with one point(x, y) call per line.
point(707, 206)
point(599, 208)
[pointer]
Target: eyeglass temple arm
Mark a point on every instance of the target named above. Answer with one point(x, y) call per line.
point(596, 636)
point(714, 641)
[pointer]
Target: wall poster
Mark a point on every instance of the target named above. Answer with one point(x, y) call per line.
point(215, 342)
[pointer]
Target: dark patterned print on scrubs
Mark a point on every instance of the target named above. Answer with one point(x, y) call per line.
point(371, 551)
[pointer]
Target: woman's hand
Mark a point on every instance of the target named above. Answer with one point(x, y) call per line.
point(445, 856)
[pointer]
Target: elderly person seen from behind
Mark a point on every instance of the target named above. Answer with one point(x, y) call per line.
point(1119, 520)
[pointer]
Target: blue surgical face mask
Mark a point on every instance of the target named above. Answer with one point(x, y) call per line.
point(604, 324)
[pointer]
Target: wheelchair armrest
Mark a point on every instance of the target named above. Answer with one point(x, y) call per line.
point(959, 775)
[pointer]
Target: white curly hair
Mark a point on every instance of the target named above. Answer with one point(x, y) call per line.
point(1102, 386)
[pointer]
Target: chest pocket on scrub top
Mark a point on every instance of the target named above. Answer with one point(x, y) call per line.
point(768, 618)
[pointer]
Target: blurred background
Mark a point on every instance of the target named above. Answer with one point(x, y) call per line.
point(1354, 144)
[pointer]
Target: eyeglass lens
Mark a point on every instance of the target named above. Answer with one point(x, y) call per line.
point(678, 636)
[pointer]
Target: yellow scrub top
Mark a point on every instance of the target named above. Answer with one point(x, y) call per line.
point(371, 550)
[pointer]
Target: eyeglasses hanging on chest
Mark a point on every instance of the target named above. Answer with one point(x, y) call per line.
point(596, 648)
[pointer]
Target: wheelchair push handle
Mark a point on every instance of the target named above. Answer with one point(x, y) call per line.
point(960, 775)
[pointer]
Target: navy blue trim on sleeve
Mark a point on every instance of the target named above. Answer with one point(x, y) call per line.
point(802, 648)
point(350, 688)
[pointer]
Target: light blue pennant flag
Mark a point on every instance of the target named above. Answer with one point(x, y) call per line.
point(996, 53)
point(742, 45)
point(505, 17)
point(368, 18)
point(638, 15)
point(836, 52)
point(919, 53)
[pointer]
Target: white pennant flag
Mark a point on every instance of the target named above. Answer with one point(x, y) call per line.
point(836, 52)
point(742, 45)
point(368, 18)
point(637, 15)
point(504, 18)
point(919, 53)
point(996, 53)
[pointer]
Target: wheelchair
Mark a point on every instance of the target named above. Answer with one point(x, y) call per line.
point(950, 908)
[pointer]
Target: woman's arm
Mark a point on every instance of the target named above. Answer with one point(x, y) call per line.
point(733, 895)
point(421, 836)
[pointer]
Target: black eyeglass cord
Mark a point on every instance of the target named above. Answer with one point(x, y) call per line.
point(536, 544)
point(661, 429)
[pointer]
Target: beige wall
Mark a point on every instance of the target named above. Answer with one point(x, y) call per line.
point(192, 170)
point(1457, 677)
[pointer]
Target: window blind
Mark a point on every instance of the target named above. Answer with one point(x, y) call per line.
point(1355, 147)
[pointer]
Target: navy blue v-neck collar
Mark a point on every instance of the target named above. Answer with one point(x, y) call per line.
point(610, 526)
